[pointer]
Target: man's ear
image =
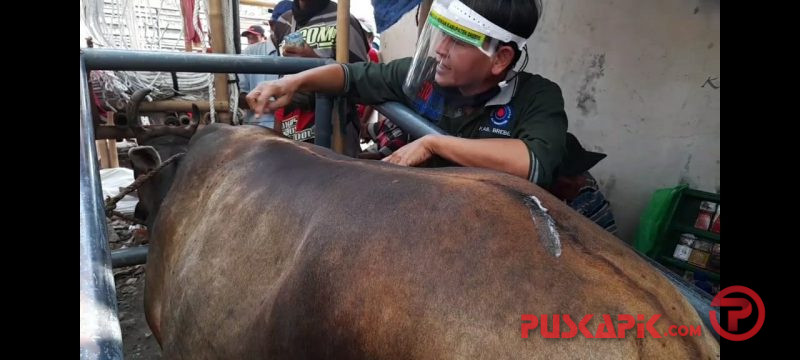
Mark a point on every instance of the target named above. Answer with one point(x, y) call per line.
point(502, 60)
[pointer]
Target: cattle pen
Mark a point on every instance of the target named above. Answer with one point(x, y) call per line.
point(101, 333)
point(98, 298)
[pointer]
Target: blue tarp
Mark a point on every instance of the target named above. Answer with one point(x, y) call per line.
point(387, 12)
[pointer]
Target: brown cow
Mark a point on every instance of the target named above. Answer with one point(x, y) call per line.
point(268, 248)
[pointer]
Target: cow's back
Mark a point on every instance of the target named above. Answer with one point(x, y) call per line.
point(268, 248)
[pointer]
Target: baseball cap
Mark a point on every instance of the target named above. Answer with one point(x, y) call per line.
point(255, 30)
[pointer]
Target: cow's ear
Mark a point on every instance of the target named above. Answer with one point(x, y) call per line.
point(144, 158)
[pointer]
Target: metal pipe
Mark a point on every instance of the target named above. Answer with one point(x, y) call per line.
point(131, 60)
point(322, 120)
point(237, 38)
point(101, 337)
point(179, 105)
point(130, 256)
point(412, 123)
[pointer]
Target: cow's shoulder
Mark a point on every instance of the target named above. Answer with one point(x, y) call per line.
point(215, 131)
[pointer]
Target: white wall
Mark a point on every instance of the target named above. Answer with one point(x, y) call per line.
point(400, 39)
point(632, 75)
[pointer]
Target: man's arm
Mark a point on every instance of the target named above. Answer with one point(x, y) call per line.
point(269, 96)
point(507, 155)
point(535, 151)
point(367, 83)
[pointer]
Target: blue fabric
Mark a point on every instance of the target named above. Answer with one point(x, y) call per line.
point(593, 204)
point(267, 122)
point(387, 12)
point(281, 8)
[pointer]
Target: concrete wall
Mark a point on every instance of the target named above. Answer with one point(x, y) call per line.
point(400, 40)
point(640, 80)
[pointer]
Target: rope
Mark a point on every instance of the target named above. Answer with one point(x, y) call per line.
point(111, 202)
point(131, 24)
point(135, 24)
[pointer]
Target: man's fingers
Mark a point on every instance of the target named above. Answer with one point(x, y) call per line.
point(258, 98)
point(395, 159)
point(251, 99)
point(282, 101)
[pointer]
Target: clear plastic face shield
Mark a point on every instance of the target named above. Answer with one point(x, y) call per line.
point(454, 50)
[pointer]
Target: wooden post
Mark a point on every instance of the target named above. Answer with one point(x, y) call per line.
point(107, 148)
point(111, 144)
point(342, 56)
point(261, 3)
point(217, 34)
point(102, 153)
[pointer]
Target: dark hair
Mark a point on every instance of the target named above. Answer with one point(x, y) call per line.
point(519, 17)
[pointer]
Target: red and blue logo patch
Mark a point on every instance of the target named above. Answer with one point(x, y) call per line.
point(425, 91)
point(501, 116)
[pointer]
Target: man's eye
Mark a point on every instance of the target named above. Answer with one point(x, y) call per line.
point(460, 43)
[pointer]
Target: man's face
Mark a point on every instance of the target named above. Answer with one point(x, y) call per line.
point(253, 38)
point(460, 64)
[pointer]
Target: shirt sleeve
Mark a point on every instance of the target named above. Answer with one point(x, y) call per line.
point(543, 129)
point(372, 83)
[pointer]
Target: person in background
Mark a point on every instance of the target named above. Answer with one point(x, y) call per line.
point(280, 8)
point(309, 30)
point(366, 112)
point(259, 46)
point(374, 54)
point(254, 35)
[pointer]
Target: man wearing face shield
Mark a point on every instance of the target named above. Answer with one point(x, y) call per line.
point(462, 79)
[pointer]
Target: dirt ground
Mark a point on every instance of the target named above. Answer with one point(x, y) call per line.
point(137, 340)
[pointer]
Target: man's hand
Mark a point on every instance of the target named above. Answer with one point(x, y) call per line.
point(269, 96)
point(294, 51)
point(415, 153)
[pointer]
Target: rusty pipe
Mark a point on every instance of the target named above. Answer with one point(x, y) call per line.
point(180, 106)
